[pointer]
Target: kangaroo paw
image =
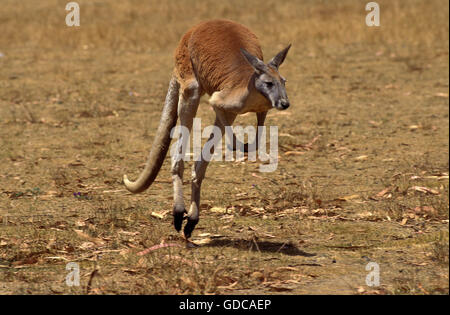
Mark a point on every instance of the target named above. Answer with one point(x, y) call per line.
point(178, 217)
point(189, 227)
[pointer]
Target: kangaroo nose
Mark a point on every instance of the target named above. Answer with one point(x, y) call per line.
point(283, 104)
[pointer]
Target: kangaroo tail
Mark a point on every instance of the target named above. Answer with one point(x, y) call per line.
point(161, 142)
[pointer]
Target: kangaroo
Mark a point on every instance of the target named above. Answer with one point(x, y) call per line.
point(223, 59)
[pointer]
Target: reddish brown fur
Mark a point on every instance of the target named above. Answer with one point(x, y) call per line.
point(210, 52)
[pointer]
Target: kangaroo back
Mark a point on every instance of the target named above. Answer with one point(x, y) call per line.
point(210, 52)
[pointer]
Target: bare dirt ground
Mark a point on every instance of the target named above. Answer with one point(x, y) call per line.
point(362, 175)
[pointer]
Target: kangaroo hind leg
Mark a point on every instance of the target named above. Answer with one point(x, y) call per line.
point(223, 119)
point(187, 108)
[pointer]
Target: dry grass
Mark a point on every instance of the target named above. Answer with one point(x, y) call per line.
point(79, 106)
point(133, 25)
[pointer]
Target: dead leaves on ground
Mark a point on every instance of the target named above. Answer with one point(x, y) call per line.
point(388, 192)
point(30, 259)
point(425, 190)
point(159, 214)
point(95, 240)
point(304, 147)
point(348, 198)
point(281, 279)
point(155, 247)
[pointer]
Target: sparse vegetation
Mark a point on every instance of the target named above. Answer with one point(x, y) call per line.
point(362, 175)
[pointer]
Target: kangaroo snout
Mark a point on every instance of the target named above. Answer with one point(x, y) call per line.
point(282, 104)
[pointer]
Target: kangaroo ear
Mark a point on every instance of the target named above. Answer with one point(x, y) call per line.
point(279, 58)
point(255, 62)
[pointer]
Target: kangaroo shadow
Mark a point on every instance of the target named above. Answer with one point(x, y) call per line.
point(261, 246)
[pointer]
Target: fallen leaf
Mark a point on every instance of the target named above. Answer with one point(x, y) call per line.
point(148, 250)
point(365, 214)
point(439, 177)
point(86, 245)
point(425, 210)
point(286, 135)
point(227, 217)
point(280, 287)
point(227, 287)
point(347, 198)
point(57, 258)
point(95, 240)
point(361, 158)
point(425, 190)
point(159, 215)
point(218, 210)
point(287, 269)
point(26, 261)
point(375, 123)
point(257, 275)
point(383, 193)
point(130, 271)
point(257, 176)
point(80, 223)
point(203, 241)
point(310, 144)
point(129, 233)
point(188, 282)
point(294, 153)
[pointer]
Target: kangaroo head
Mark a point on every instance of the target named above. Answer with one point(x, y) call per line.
point(268, 80)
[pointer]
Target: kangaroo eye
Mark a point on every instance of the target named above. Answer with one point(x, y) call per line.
point(269, 84)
